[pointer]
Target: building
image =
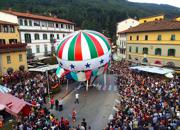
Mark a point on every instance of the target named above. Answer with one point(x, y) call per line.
point(156, 43)
point(12, 52)
point(177, 19)
point(121, 38)
point(39, 32)
point(151, 18)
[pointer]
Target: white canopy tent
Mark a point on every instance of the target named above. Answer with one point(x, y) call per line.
point(44, 68)
point(153, 69)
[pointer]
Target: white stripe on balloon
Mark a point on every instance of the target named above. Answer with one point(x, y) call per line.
point(85, 48)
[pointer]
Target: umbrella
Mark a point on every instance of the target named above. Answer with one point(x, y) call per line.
point(4, 89)
point(2, 107)
point(169, 75)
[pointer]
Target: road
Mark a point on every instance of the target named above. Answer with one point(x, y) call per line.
point(96, 107)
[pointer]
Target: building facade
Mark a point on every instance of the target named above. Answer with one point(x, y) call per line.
point(121, 38)
point(12, 52)
point(39, 32)
point(155, 43)
point(151, 19)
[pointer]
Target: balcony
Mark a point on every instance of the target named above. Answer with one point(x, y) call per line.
point(6, 48)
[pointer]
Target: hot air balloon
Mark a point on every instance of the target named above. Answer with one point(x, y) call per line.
point(83, 54)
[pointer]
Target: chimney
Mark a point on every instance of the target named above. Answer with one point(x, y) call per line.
point(27, 11)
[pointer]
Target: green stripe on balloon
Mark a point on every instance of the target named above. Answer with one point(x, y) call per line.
point(107, 44)
point(57, 51)
point(91, 46)
point(71, 55)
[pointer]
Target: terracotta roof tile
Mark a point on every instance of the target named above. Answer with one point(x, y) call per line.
point(163, 25)
point(40, 17)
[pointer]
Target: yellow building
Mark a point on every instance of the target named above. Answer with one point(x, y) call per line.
point(178, 19)
point(12, 52)
point(150, 19)
point(155, 43)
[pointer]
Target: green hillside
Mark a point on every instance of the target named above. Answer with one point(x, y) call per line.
point(100, 15)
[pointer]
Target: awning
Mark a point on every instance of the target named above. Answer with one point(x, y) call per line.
point(43, 57)
point(44, 68)
point(153, 69)
point(14, 105)
point(4, 89)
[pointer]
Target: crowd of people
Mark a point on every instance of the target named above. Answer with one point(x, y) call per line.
point(32, 87)
point(146, 101)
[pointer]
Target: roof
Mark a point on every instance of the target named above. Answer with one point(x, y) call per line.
point(163, 25)
point(153, 69)
point(7, 23)
point(34, 16)
point(13, 104)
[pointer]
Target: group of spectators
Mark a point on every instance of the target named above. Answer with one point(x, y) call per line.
point(146, 101)
point(33, 88)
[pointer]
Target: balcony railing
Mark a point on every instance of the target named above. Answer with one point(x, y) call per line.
point(4, 48)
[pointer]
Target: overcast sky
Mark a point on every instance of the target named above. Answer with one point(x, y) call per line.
point(169, 2)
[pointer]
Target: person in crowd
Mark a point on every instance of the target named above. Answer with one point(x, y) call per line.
point(77, 98)
point(60, 104)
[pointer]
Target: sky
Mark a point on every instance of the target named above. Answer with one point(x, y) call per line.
point(169, 2)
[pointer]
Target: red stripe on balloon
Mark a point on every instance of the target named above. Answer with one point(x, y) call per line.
point(78, 49)
point(98, 46)
point(62, 47)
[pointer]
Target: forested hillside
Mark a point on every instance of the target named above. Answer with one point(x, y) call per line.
point(100, 15)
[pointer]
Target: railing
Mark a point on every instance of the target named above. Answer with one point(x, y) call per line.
point(4, 48)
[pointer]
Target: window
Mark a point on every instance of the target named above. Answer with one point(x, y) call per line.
point(2, 41)
point(57, 36)
point(52, 38)
point(8, 59)
point(20, 21)
point(171, 52)
point(50, 24)
point(63, 35)
point(145, 50)
point(159, 38)
point(30, 22)
point(57, 25)
point(130, 37)
point(130, 49)
point(136, 49)
point(62, 26)
point(145, 21)
point(37, 49)
point(44, 24)
point(158, 51)
point(27, 38)
point(25, 22)
point(12, 30)
point(36, 36)
point(44, 36)
point(36, 23)
point(137, 38)
point(173, 37)
point(20, 58)
point(5, 28)
point(146, 37)
point(130, 57)
point(46, 48)
point(12, 41)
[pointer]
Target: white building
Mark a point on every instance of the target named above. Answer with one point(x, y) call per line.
point(121, 37)
point(38, 31)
